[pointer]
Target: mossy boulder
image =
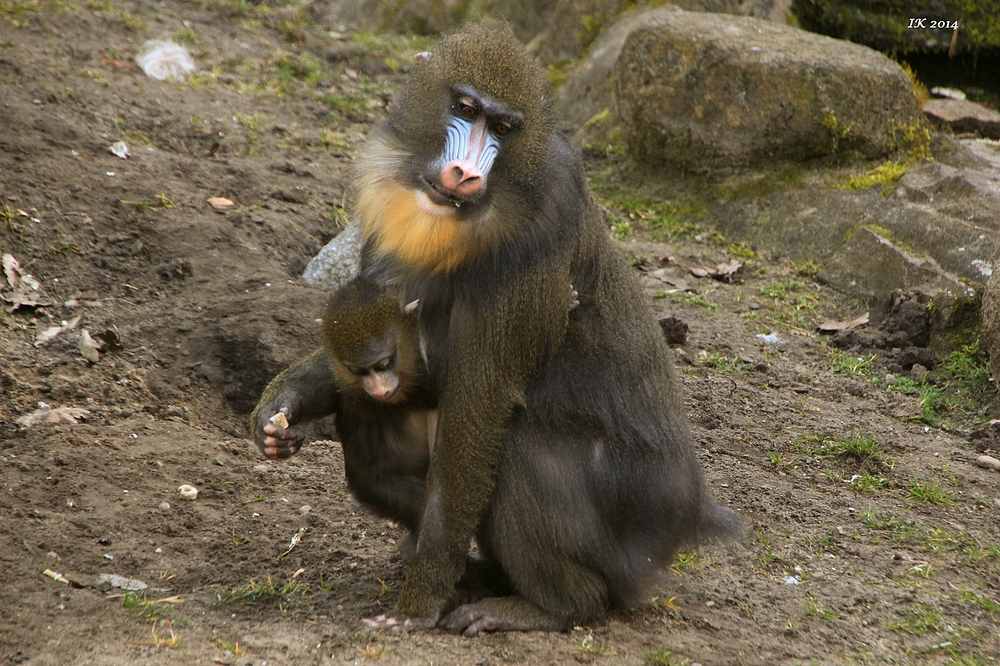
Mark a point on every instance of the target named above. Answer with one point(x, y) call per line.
point(905, 26)
point(700, 91)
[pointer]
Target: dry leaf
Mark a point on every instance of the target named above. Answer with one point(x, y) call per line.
point(724, 272)
point(220, 202)
point(11, 269)
point(57, 415)
point(831, 326)
point(48, 334)
point(89, 347)
point(23, 289)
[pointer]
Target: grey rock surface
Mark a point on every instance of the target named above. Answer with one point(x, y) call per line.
point(337, 262)
point(700, 91)
point(938, 235)
point(964, 116)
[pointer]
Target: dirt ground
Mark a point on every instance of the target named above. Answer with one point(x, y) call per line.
point(875, 535)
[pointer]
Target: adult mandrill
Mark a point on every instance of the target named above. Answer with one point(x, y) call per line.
point(561, 443)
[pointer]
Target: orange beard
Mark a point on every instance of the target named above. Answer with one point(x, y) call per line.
point(404, 222)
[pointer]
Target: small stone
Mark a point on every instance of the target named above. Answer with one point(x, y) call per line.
point(187, 492)
point(53, 555)
point(164, 506)
point(158, 550)
point(918, 372)
point(989, 462)
point(303, 510)
point(890, 379)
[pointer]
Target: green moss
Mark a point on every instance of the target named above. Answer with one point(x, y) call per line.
point(919, 89)
point(886, 175)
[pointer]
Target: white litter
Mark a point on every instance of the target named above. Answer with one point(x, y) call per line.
point(165, 61)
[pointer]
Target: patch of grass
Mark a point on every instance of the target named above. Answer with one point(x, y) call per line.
point(812, 608)
point(727, 365)
point(253, 593)
point(141, 604)
point(928, 491)
point(9, 218)
point(162, 201)
point(845, 363)
point(790, 303)
point(665, 658)
point(187, 36)
point(172, 641)
point(865, 449)
point(662, 220)
point(787, 176)
point(125, 18)
point(684, 562)
point(988, 604)
point(886, 175)
point(869, 483)
point(806, 269)
point(741, 251)
point(779, 462)
point(689, 299)
point(233, 649)
point(919, 621)
point(590, 646)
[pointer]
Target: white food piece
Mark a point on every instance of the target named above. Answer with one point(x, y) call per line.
point(187, 492)
point(280, 420)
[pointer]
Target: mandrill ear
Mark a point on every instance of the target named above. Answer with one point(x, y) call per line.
point(410, 308)
point(423, 56)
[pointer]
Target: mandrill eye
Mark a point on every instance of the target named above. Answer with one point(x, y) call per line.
point(467, 109)
point(501, 128)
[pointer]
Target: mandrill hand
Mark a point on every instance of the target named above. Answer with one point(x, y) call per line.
point(273, 437)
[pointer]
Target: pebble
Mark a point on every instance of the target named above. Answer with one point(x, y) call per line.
point(188, 492)
point(989, 462)
point(303, 510)
point(165, 506)
point(890, 379)
point(918, 372)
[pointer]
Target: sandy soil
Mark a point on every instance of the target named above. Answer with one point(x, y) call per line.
point(889, 555)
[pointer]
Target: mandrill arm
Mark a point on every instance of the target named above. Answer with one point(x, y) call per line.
point(495, 350)
point(303, 392)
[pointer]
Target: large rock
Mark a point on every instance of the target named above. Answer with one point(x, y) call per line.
point(991, 322)
point(337, 262)
point(897, 27)
point(939, 235)
point(555, 30)
point(964, 116)
point(700, 91)
point(574, 24)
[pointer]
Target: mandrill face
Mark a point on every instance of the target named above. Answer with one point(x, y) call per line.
point(467, 137)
